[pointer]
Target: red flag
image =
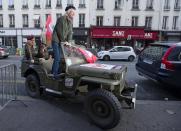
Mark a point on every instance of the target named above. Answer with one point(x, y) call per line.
point(49, 30)
point(90, 58)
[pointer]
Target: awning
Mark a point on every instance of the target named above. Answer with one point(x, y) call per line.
point(36, 17)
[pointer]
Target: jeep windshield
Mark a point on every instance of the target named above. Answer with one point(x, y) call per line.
point(73, 55)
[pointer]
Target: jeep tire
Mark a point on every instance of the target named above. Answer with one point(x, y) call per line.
point(32, 86)
point(103, 108)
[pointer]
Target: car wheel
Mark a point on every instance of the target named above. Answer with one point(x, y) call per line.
point(32, 86)
point(103, 108)
point(106, 58)
point(131, 58)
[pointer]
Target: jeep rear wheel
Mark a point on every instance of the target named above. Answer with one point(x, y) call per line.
point(103, 108)
point(106, 58)
point(32, 86)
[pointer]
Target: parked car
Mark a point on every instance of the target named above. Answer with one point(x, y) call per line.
point(118, 52)
point(4, 51)
point(161, 62)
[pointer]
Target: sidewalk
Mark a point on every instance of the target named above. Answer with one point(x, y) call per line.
point(64, 115)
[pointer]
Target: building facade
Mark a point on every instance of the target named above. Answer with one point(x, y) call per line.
point(97, 22)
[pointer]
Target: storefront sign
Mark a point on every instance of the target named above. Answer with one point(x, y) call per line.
point(7, 32)
point(125, 33)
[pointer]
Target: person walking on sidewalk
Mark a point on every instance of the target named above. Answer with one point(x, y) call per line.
point(61, 33)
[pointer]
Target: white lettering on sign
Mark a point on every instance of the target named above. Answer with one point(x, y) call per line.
point(148, 35)
point(118, 33)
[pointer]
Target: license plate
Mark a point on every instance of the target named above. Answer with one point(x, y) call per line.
point(148, 61)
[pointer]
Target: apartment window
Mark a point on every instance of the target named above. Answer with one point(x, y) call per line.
point(1, 20)
point(11, 4)
point(99, 21)
point(117, 20)
point(25, 20)
point(37, 4)
point(100, 4)
point(135, 4)
point(36, 21)
point(81, 3)
point(148, 22)
point(48, 3)
point(24, 4)
point(58, 15)
point(149, 5)
point(59, 3)
point(1, 4)
point(177, 5)
point(118, 4)
point(81, 20)
point(165, 22)
point(69, 2)
point(11, 20)
point(167, 5)
point(134, 21)
point(175, 23)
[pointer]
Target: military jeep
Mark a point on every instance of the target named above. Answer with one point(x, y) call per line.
point(103, 85)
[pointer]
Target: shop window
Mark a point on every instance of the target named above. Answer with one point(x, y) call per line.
point(48, 3)
point(59, 4)
point(37, 4)
point(25, 20)
point(11, 5)
point(167, 5)
point(175, 23)
point(99, 21)
point(134, 21)
point(1, 20)
point(58, 15)
point(165, 22)
point(24, 4)
point(117, 20)
point(81, 20)
point(81, 3)
point(11, 20)
point(148, 22)
point(135, 5)
point(177, 5)
point(149, 5)
point(100, 4)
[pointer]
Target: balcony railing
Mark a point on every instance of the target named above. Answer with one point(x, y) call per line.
point(12, 25)
point(48, 6)
point(24, 6)
point(177, 8)
point(1, 25)
point(166, 8)
point(149, 8)
point(81, 25)
point(11, 7)
point(100, 8)
point(25, 25)
point(37, 25)
point(1, 7)
point(82, 6)
point(59, 6)
point(36, 6)
point(135, 8)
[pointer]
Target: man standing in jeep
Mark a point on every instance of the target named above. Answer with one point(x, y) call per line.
point(61, 33)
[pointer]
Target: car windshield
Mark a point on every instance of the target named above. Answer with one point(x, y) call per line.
point(154, 52)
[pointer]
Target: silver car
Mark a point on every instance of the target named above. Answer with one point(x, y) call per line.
point(118, 52)
point(4, 51)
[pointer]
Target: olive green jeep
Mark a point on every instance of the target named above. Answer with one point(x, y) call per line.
point(103, 85)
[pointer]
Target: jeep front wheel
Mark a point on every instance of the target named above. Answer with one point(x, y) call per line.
point(103, 108)
point(32, 86)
